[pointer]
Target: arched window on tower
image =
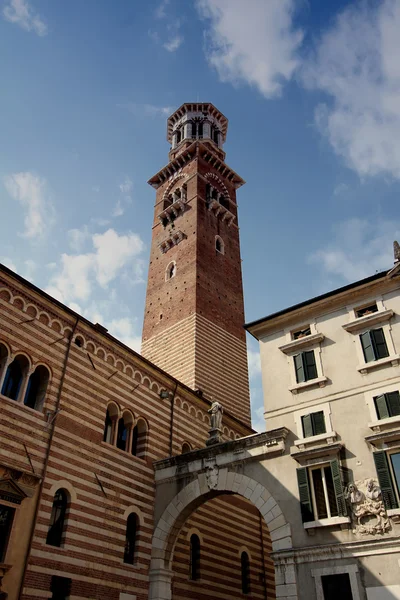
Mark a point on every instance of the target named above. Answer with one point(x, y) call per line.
point(170, 271)
point(245, 564)
point(215, 135)
point(194, 130)
point(130, 539)
point(36, 388)
point(194, 567)
point(16, 372)
point(200, 130)
point(219, 245)
point(178, 136)
point(57, 519)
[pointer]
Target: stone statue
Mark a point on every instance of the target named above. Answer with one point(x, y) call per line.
point(367, 508)
point(216, 411)
point(396, 251)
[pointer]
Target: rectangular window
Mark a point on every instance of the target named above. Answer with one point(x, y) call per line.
point(297, 335)
point(395, 463)
point(337, 586)
point(387, 405)
point(305, 366)
point(6, 521)
point(313, 424)
point(60, 587)
point(388, 472)
point(323, 493)
point(374, 345)
point(366, 310)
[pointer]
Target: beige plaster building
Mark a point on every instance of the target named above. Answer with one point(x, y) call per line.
point(331, 377)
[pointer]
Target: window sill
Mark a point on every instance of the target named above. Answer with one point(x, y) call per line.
point(321, 451)
point(379, 438)
point(376, 425)
point(368, 321)
point(331, 522)
point(321, 381)
point(328, 435)
point(393, 512)
point(302, 343)
point(394, 360)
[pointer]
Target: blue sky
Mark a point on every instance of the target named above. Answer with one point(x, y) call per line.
point(312, 93)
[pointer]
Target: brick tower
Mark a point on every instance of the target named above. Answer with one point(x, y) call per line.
point(194, 315)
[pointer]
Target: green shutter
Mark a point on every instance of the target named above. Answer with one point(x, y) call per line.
point(310, 366)
point(307, 426)
point(385, 480)
point(298, 365)
point(381, 407)
point(368, 350)
point(393, 401)
point(379, 343)
point(339, 493)
point(304, 495)
point(318, 420)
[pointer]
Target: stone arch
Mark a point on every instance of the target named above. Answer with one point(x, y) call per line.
point(19, 303)
point(177, 177)
point(203, 488)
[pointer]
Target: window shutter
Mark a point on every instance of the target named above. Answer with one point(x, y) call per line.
point(379, 342)
point(318, 422)
point(310, 366)
point(298, 365)
point(385, 480)
point(381, 407)
point(393, 401)
point(366, 343)
point(339, 493)
point(304, 495)
point(307, 426)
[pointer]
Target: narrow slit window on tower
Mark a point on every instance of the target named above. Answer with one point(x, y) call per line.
point(200, 130)
point(170, 271)
point(219, 245)
point(194, 567)
point(194, 130)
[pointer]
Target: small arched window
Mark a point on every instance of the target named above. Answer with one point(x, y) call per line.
point(215, 135)
point(194, 130)
point(185, 448)
point(178, 136)
point(219, 245)
point(15, 374)
point(194, 568)
point(57, 519)
point(3, 358)
point(109, 423)
point(170, 271)
point(130, 539)
point(245, 564)
point(36, 388)
point(139, 439)
point(122, 434)
point(200, 130)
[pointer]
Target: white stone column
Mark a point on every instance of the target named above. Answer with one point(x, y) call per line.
point(160, 584)
point(24, 385)
point(3, 372)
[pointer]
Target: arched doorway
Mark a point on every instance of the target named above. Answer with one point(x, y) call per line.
point(204, 487)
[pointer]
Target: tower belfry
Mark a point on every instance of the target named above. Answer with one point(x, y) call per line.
point(194, 315)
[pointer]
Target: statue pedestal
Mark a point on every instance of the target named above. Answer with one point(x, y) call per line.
point(214, 437)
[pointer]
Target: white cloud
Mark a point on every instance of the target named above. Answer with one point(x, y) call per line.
point(147, 110)
point(124, 330)
point(126, 186)
point(161, 12)
point(254, 363)
point(252, 42)
point(360, 249)
point(78, 238)
point(356, 64)
point(118, 209)
point(174, 43)
point(31, 192)
point(21, 13)
point(112, 256)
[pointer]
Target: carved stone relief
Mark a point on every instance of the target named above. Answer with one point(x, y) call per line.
point(367, 509)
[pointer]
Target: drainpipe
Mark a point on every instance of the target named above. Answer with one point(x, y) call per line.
point(263, 574)
point(171, 430)
point(46, 461)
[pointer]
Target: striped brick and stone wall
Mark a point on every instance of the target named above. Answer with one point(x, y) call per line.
point(61, 445)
